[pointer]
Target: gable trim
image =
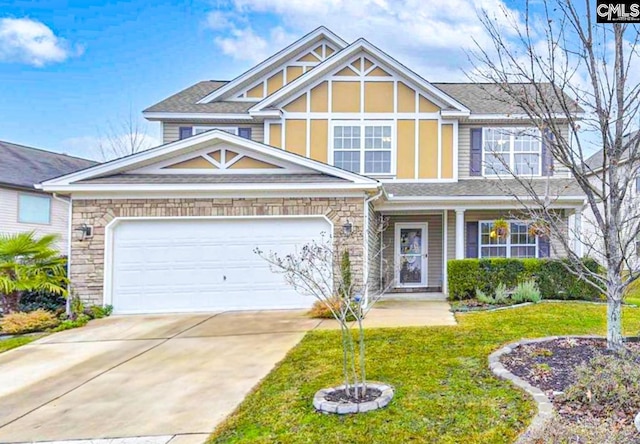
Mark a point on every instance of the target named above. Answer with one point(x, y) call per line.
point(124, 163)
point(294, 47)
point(340, 59)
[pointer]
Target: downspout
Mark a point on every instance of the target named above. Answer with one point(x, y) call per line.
point(367, 201)
point(69, 203)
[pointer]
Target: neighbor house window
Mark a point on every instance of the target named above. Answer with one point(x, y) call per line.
point(363, 147)
point(518, 244)
point(34, 209)
point(511, 150)
point(202, 129)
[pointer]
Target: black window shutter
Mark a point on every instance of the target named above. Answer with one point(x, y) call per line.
point(185, 131)
point(475, 166)
point(244, 132)
point(547, 156)
point(472, 239)
point(544, 248)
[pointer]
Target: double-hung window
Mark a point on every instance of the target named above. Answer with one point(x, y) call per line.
point(519, 243)
point(363, 147)
point(512, 150)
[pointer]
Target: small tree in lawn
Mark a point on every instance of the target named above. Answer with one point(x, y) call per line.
point(312, 271)
point(29, 263)
point(542, 63)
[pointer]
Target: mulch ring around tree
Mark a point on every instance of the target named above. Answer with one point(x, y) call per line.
point(550, 366)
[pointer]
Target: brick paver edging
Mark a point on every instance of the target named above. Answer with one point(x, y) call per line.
point(545, 407)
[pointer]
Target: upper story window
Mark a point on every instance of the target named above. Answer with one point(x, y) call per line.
point(363, 147)
point(511, 150)
point(519, 243)
point(202, 129)
point(34, 209)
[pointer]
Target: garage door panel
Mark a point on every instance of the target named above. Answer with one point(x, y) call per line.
point(170, 265)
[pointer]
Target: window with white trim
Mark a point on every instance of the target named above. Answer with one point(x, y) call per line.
point(34, 209)
point(364, 148)
point(511, 150)
point(519, 243)
point(202, 129)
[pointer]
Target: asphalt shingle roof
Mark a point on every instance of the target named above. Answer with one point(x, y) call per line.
point(22, 166)
point(480, 98)
point(212, 178)
point(483, 187)
point(595, 162)
point(487, 98)
point(186, 100)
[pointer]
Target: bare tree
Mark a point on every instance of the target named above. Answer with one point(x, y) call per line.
point(318, 269)
point(560, 58)
point(124, 137)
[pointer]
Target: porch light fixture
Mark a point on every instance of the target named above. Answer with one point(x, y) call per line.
point(347, 228)
point(85, 231)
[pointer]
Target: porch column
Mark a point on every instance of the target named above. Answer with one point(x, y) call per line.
point(445, 245)
point(577, 233)
point(459, 233)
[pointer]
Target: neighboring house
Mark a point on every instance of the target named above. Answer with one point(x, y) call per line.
point(22, 206)
point(629, 173)
point(322, 136)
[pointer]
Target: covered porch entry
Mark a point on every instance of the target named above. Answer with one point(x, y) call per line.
point(414, 256)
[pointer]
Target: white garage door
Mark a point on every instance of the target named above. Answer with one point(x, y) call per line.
point(184, 265)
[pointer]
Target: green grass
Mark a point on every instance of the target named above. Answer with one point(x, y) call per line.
point(8, 344)
point(444, 390)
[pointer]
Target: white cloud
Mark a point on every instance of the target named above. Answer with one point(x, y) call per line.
point(428, 36)
point(24, 40)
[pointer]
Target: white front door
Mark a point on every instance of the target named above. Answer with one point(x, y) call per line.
point(411, 254)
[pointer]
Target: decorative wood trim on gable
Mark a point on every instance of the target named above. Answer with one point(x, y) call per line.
point(220, 160)
point(282, 75)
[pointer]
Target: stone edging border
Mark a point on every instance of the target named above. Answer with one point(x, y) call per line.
point(544, 301)
point(341, 408)
point(543, 403)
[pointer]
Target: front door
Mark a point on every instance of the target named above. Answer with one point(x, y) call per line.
point(411, 255)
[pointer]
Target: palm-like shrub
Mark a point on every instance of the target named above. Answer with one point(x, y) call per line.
point(29, 263)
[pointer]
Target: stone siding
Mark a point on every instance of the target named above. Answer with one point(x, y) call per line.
point(87, 256)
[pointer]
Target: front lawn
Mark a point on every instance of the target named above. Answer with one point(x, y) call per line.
point(444, 389)
point(17, 341)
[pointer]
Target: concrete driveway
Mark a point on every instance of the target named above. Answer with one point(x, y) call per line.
point(170, 378)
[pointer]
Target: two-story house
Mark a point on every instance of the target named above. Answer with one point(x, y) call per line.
point(324, 136)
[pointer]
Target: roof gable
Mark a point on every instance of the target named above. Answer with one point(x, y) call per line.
point(341, 64)
point(289, 63)
point(212, 153)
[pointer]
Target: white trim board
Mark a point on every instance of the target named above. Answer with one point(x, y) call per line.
point(67, 182)
point(382, 58)
point(283, 55)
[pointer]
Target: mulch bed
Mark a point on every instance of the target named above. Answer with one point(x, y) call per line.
point(550, 365)
point(342, 395)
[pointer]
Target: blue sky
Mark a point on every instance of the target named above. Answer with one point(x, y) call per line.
point(71, 70)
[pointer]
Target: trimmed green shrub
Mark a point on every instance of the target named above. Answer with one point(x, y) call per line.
point(463, 278)
point(553, 279)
